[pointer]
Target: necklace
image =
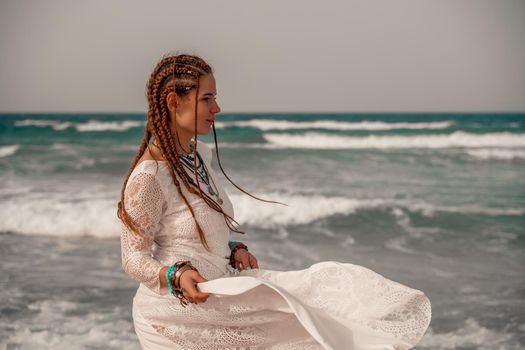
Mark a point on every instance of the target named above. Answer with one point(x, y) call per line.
point(202, 172)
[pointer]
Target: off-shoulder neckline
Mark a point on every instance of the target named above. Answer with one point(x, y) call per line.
point(153, 160)
point(165, 161)
point(140, 164)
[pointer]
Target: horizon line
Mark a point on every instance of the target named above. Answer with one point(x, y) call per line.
point(276, 112)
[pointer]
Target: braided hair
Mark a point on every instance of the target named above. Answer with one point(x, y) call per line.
point(179, 74)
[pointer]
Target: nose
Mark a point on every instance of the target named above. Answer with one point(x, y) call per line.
point(216, 108)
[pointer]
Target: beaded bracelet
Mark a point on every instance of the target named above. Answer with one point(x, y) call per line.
point(169, 275)
point(236, 247)
point(232, 244)
point(179, 273)
point(173, 276)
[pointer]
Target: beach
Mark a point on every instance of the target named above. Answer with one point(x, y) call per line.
point(433, 201)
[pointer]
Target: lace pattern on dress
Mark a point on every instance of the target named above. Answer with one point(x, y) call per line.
point(144, 202)
point(356, 293)
point(362, 301)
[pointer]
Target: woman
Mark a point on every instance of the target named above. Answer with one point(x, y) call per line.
point(176, 224)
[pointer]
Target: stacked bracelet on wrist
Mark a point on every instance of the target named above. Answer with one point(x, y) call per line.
point(235, 246)
point(173, 279)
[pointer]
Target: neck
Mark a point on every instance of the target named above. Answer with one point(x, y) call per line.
point(185, 150)
point(183, 144)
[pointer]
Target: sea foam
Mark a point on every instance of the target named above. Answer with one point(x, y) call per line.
point(470, 335)
point(41, 123)
point(89, 126)
point(97, 125)
point(495, 153)
point(88, 214)
point(269, 124)
point(457, 139)
point(301, 209)
point(6, 151)
point(56, 215)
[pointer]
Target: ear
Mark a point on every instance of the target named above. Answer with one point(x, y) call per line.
point(171, 101)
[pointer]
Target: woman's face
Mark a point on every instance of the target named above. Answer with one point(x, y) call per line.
point(184, 112)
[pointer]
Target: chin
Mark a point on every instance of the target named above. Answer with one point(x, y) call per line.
point(204, 132)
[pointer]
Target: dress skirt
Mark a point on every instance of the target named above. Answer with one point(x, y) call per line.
point(330, 305)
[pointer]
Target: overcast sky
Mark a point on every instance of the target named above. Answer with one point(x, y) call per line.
point(268, 56)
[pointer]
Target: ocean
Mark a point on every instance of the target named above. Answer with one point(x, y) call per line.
point(434, 201)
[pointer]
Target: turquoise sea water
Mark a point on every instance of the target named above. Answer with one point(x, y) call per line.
point(436, 201)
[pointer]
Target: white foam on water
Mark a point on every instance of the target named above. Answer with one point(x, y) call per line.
point(94, 213)
point(58, 215)
point(456, 139)
point(61, 147)
point(348, 241)
point(41, 123)
point(90, 125)
point(301, 209)
point(84, 162)
point(431, 210)
point(472, 334)
point(400, 213)
point(6, 151)
point(399, 244)
point(47, 329)
point(269, 124)
point(304, 209)
point(97, 125)
point(248, 145)
point(496, 153)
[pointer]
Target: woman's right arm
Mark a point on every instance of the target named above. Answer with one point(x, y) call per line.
point(144, 203)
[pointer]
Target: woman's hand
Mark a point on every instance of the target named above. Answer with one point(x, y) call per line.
point(188, 282)
point(245, 259)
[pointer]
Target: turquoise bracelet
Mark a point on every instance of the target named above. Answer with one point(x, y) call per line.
point(232, 244)
point(172, 270)
point(169, 274)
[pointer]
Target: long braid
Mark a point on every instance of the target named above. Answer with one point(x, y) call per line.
point(122, 214)
point(168, 150)
point(161, 119)
point(179, 74)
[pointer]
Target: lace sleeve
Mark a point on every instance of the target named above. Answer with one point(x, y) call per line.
point(144, 203)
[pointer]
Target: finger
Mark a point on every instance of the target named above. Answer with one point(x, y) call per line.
point(195, 295)
point(200, 279)
point(245, 263)
point(201, 295)
point(186, 295)
point(253, 262)
point(190, 299)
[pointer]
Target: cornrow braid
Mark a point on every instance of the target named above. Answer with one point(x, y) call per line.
point(122, 213)
point(179, 74)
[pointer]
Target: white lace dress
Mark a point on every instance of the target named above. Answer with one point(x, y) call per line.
point(330, 305)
